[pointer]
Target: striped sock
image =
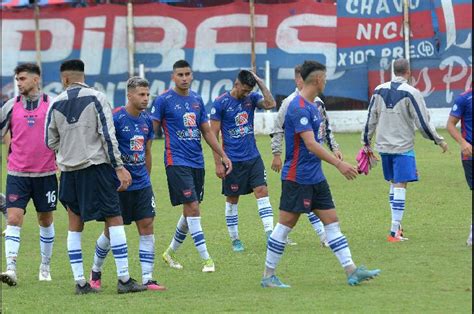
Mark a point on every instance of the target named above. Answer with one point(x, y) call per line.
point(102, 248)
point(399, 196)
point(118, 243)
point(266, 213)
point(12, 246)
point(232, 220)
point(275, 247)
point(75, 256)
point(180, 234)
point(147, 256)
point(338, 244)
point(46, 243)
point(316, 223)
point(195, 229)
point(390, 196)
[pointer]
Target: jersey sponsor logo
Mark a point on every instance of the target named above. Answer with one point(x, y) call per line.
point(189, 120)
point(307, 203)
point(188, 193)
point(137, 143)
point(241, 131)
point(189, 134)
point(136, 159)
point(242, 119)
point(234, 187)
point(304, 121)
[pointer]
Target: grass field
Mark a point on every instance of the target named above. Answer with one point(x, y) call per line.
point(431, 273)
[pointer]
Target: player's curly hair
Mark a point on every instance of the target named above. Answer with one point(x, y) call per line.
point(28, 68)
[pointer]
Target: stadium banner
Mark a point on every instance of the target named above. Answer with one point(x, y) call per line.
point(216, 42)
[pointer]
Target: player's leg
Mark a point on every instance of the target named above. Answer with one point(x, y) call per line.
point(467, 166)
point(324, 206)
point(74, 248)
point(258, 182)
point(102, 248)
point(232, 221)
point(318, 227)
point(179, 236)
point(18, 191)
point(45, 194)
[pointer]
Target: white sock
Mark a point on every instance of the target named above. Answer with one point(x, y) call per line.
point(266, 213)
point(338, 244)
point(102, 248)
point(75, 256)
point(118, 243)
point(390, 196)
point(275, 247)
point(180, 234)
point(195, 229)
point(147, 256)
point(316, 223)
point(12, 246)
point(46, 243)
point(398, 208)
point(232, 220)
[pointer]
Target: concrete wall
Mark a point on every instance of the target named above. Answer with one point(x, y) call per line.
point(346, 121)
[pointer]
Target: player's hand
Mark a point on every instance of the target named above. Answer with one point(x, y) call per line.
point(466, 149)
point(220, 170)
point(277, 164)
point(444, 146)
point(338, 154)
point(347, 170)
point(227, 164)
point(124, 177)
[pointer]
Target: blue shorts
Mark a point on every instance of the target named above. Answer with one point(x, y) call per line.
point(399, 168)
point(301, 198)
point(137, 205)
point(467, 165)
point(245, 177)
point(43, 191)
point(185, 184)
point(91, 193)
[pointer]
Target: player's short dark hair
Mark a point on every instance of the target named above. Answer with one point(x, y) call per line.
point(298, 69)
point(137, 81)
point(401, 66)
point(247, 78)
point(309, 67)
point(28, 68)
point(181, 64)
point(75, 65)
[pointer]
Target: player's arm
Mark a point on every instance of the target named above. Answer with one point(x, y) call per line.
point(211, 140)
point(372, 121)
point(51, 136)
point(6, 112)
point(466, 148)
point(148, 157)
point(330, 138)
point(278, 136)
point(419, 110)
point(268, 102)
point(346, 169)
point(216, 129)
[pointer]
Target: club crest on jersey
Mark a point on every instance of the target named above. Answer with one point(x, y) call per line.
point(137, 143)
point(189, 119)
point(242, 118)
point(307, 203)
point(31, 120)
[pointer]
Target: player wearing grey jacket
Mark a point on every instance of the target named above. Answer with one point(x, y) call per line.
point(395, 110)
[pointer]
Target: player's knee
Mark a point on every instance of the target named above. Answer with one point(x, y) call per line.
point(15, 216)
point(45, 219)
point(261, 191)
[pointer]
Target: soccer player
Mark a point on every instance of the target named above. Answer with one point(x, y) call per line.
point(304, 186)
point(134, 132)
point(233, 115)
point(80, 130)
point(31, 170)
point(462, 111)
point(278, 134)
point(395, 109)
point(182, 114)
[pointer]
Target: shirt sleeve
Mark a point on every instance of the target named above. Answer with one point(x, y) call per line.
point(216, 111)
point(157, 108)
point(278, 131)
point(372, 121)
point(301, 119)
point(257, 100)
point(422, 118)
point(203, 118)
point(51, 133)
point(5, 118)
point(151, 131)
point(458, 108)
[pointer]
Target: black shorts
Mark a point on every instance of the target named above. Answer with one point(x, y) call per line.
point(467, 165)
point(185, 184)
point(137, 205)
point(91, 193)
point(43, 191)
point(299, 198)
point(245, 177)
